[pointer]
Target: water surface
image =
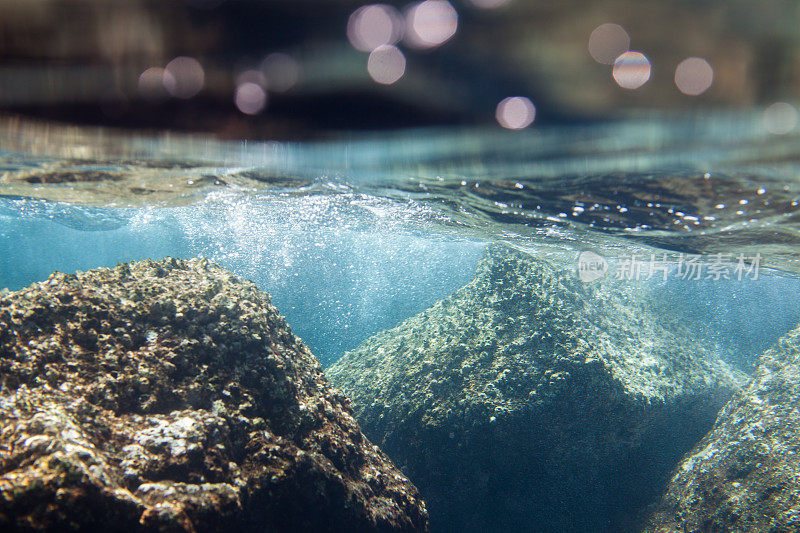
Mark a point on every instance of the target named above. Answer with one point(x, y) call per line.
point(353, 235)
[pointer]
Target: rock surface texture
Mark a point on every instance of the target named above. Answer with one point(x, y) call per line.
point(528, 400)
point(172, 396)
point(745, 474)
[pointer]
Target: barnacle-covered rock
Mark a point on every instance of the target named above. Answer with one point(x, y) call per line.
point(172, 396)
point(745, 474)
point(528, 400)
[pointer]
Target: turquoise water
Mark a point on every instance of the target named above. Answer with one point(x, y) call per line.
point(354, 236)
point(338, 273)
point(337, 280)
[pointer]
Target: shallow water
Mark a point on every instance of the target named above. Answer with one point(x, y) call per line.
point(352, 237)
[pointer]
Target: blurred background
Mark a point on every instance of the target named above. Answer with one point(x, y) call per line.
point(300, 69)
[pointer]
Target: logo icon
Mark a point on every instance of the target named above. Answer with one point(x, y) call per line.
point(591, 267)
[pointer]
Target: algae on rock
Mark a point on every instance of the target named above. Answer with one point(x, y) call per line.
point(529, 400)
point(172, 396)
point(745, 474)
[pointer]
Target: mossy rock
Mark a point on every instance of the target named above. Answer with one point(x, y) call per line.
point(172, 396)
point(528, 400)
point(745, 474)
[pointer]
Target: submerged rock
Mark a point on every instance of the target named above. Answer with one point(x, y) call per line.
point(528, 400)
point(172, 396)
point(745, 474)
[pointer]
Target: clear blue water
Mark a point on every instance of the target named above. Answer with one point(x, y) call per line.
point(339, 275)
point(352, 236)
point(336, 283)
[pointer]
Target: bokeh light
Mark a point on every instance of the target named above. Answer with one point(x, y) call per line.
point(515, 112)
point(374, 25)
point(250, 98)
point(607, 42)
point(489, 4)
point(281, 70)
point(693, 76)
point(631, 70)
point(186, 77)
point(780, 118)
point(386, 64)
point(151, 84)
point(430, 24)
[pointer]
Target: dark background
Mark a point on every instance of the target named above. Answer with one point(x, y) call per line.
point(78, 61)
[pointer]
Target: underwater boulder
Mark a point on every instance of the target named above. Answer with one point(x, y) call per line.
point(172, 396)
point(745, 474)
point(530, 401)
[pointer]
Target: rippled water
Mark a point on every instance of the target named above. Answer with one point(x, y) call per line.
point(690, 225)
point(699, 183)
point(354, 234)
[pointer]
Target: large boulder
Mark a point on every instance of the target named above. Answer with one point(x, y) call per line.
point(745, 474)
point(172, 396)
point(528, 400)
